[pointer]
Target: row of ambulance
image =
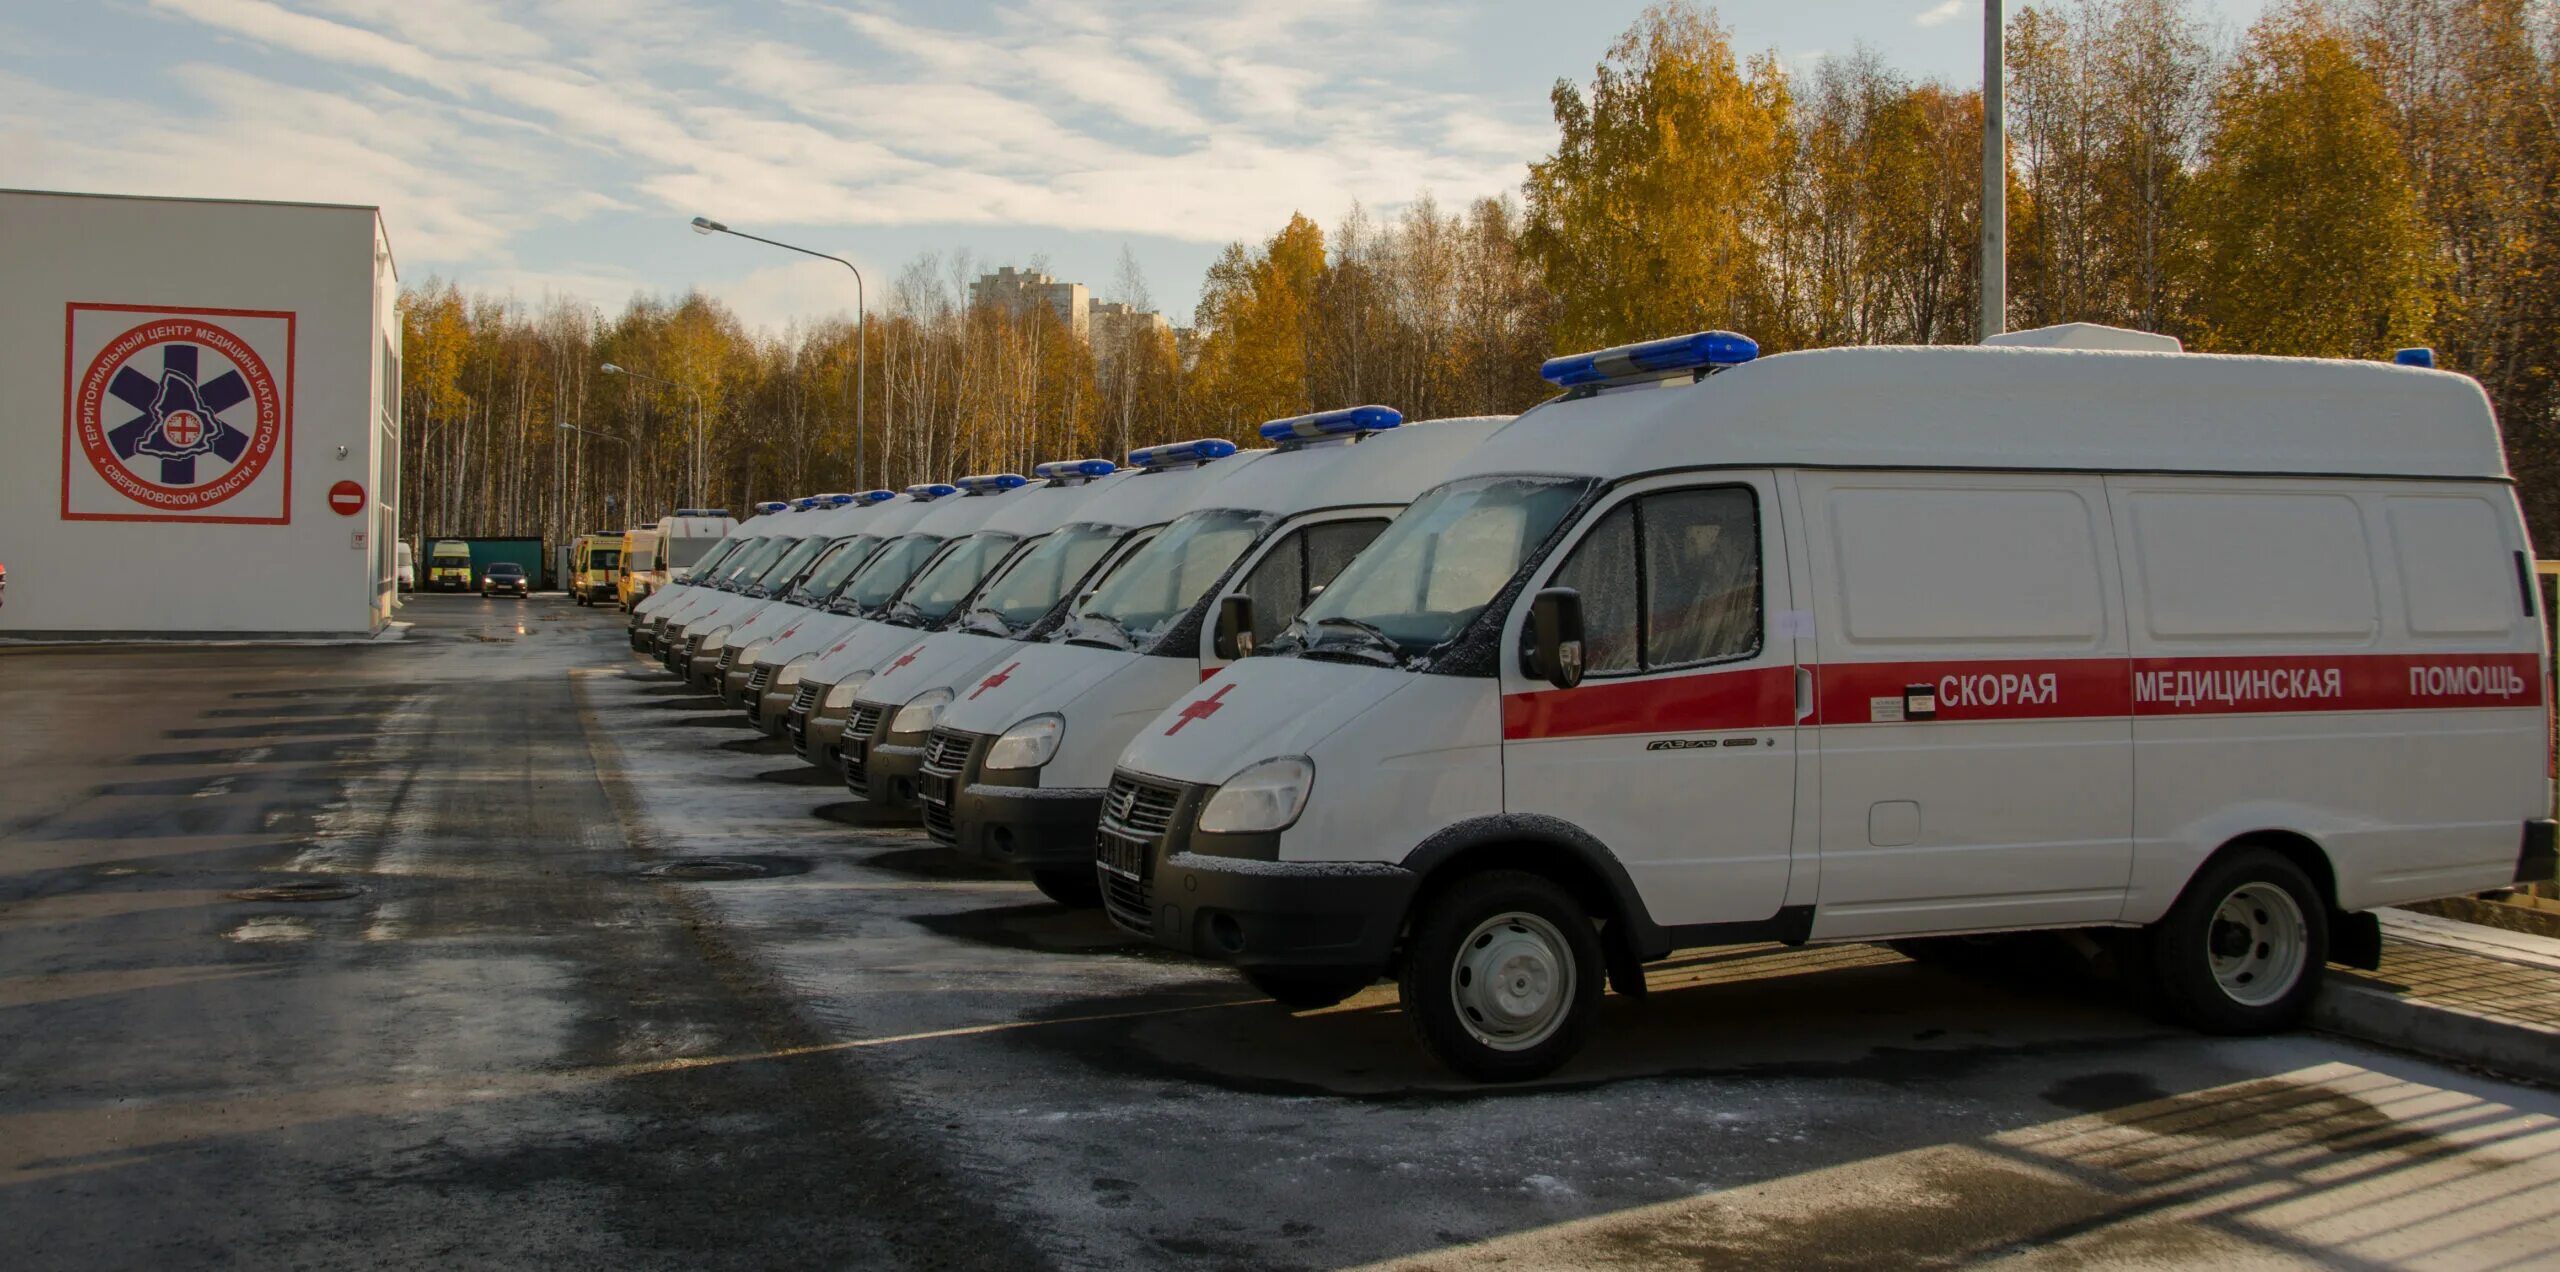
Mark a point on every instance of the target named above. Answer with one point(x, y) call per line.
point(2193, 659)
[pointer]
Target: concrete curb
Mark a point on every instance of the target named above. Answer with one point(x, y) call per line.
point(2378, 1016)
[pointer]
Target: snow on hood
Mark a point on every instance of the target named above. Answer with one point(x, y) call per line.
point(1037, 678)
point(941, 661)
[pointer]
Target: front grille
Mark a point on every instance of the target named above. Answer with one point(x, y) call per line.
point(946, 753)
point(728, 659)
point(795, 718)
point(805, 701)
point(758, 679)
point(1136, 814)
point(859, 725)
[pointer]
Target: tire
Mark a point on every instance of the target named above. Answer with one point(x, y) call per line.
point(2242, 950)
point(1547, 953)
point(1070, 886)
point(1308, 991)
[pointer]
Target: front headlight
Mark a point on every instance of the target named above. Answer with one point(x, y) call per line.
point(841, 696)
point(1027, 745)
point(714, 642)
point(747, 656)
point(922, 712)
point(1264, 797)
point(790, 673)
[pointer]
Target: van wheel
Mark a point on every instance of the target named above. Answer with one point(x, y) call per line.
point(1308, 991)
point(1074, 888)
point(2243, 949)
point(1501, 976)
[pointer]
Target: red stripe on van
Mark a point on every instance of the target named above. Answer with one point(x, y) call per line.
point(1758, 698)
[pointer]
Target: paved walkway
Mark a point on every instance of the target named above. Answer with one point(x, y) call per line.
point(2465, 992)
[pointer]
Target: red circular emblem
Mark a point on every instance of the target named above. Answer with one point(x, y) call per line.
point(346, 499)
point(178, 414)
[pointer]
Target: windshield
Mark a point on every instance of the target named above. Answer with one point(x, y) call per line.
point(1435, 568)
point(953, 577)
point(835, 567)
point(603, 558)
point(749, 563)
point(503, 568)
point(451, 558)
point(644, 556)
point(689, 550)
point(1164, 579)
point(719, 555)
point(887, 574)
point(787, 567)
point(1039, 579)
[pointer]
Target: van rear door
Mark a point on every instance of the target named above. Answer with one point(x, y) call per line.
point(1678, 749)
point(1976, 742)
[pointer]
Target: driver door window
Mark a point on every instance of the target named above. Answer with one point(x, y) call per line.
point(1301, 562)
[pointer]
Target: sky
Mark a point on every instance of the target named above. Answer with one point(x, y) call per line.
point(546, 147)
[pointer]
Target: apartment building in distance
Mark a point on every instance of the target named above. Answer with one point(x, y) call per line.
point(1102, 323)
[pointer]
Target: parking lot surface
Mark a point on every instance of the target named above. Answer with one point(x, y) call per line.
point(387, 955)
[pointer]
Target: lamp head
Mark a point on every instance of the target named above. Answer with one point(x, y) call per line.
point(705, 225)
point(610, 369)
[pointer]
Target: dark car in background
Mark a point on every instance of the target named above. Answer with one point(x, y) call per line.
point(505, 576)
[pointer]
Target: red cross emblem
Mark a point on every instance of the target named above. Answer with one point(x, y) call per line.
point(994, 680)
point(1201, 710)
point(903, 659)
point(788, 632)
point(182, 427)
point(840, 645)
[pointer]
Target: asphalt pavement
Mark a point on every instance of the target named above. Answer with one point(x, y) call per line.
point(369, 956)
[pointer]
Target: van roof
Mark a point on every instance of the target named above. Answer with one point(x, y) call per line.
point(2021, 408)
point(1390, 467)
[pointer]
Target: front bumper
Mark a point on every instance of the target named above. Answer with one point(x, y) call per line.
point(1255, 914)
point(769, 705)
point(815, 728)
point(1000, 817)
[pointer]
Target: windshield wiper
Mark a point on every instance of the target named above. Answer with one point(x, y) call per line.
point(989, 621)
point(1380, 643)
point(1119, 638)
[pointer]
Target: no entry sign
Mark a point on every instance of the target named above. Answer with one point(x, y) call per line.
point(346, 499)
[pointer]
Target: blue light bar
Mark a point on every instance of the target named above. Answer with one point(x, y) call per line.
point(1343, 423)
point(992, 483)
point(930, 491)
point(834, 500)
point(1652, 360)
point(701, 512)
point(769, 506)
point(1074, 469)
point(2419, 357)
point(1170, 454)
point(805, 502)
point(875, 496)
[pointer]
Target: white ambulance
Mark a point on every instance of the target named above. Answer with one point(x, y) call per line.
point(648, 628)
point(782, 535)
point(710, 633)
point(1063, 491)
point(1031, 598)
point(949, 547)
point(882, 532)
point(2205, 655)
point(1015, 769)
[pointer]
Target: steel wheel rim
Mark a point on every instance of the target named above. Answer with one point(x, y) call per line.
point(2257, 943)
point(1513, 981)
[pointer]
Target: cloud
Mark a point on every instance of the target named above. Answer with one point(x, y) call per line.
point(489, 130)
point(1941, 15)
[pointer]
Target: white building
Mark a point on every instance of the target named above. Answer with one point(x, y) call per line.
point(200, 399)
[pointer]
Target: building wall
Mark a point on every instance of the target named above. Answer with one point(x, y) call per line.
point(182, 383)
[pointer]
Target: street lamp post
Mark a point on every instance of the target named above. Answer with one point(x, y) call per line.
point(1995, 177)
point(693, 479)
point(861, 333)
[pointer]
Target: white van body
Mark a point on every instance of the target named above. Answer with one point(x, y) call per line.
point(848, 549)
point(2039, 638)
point(640, 544)
point(933, 666)
point(699, 631)
point(684, 537)
point(1336, 494)
point(755, 550)
point(859, 637)
point(950, 548)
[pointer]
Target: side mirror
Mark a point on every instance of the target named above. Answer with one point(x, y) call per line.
point(1234, 636)
point(1312, 594)
point(1555, 637)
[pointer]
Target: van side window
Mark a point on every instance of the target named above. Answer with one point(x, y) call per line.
point(1305, 560)
point(1701, 576)
point(1669, 580)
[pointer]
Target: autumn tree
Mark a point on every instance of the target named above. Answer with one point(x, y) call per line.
point(2311, 236)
